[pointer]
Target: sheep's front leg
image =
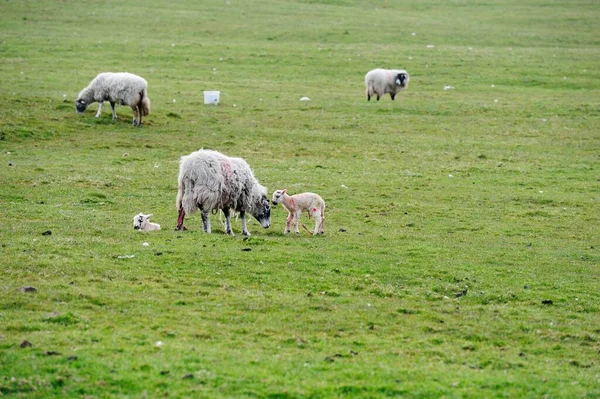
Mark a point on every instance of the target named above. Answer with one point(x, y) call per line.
point(228, 229)
point(296, 221)
point(288, 223)
point(393, 95)
point(135, 116)
point(205, 222)
point(99, 109)
point(180, 218)
point(114, 112)
point(244, 228)
point(317, 215)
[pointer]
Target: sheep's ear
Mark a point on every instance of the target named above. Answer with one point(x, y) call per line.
point(284, 191)
point(148, 216)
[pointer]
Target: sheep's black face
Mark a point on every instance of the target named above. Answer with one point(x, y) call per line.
point(401, 79)
point(138, 221)
point(80, 105)
point(262, 212)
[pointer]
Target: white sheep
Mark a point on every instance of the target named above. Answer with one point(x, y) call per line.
point(381, 81)
point(118, 88)
point(209, 180)
point(142, 222)
point(296, 204)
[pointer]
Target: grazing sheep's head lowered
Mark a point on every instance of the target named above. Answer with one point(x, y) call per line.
point(261, 209)
point(80, 105)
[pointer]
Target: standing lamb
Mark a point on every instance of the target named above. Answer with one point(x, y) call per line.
point(296, 204)
point(142, 222)
point(381, 81)
point(118, 88)
point(209, 180)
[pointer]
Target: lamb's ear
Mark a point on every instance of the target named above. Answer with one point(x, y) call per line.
point(148, 216)
point(284, 191)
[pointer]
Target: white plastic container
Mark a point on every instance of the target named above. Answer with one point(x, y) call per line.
point(212, 97)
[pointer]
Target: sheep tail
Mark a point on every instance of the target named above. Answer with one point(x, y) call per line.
point(145, 104)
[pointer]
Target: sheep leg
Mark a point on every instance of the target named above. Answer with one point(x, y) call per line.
point(205, 221)
point(393, 95)
point(114, 112)
point(244, 228)
point(317, 215)
point(135, 116)
point(140, 108)
point(180, 218)
point(296, 220)
point(288, 222)
point(377, 97)
point(228, 229)
point(99, 109)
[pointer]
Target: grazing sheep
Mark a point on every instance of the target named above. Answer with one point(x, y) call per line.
point(118, 88)
point(296, 204)
point(142, 222)
point(381, 81)
point(209, 180)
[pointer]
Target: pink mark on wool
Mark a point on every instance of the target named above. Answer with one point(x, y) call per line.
point(314, 210)
point(292, 202)
point(226, 169)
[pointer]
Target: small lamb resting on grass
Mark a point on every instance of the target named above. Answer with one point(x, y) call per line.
point(296, 204)
point(142, 222)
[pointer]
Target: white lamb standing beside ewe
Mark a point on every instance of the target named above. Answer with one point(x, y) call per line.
point(209, 180)
point(298, 203)
point(117, 88)
point(381, 81)
point(142, 222)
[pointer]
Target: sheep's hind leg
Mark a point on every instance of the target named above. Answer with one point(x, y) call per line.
point(393, 95)
point(205, 222)
point(114, 112)
point(228, 229)
point(180, 218)
point(99, 109)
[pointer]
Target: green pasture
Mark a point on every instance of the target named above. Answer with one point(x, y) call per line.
point(461, 254)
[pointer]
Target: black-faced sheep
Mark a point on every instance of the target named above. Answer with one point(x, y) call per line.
point(381, 81)
point(209, 180)
point(142, 222)
point(296, 204)
point(118, 88)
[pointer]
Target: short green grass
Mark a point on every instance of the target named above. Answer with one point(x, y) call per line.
point(461, 255)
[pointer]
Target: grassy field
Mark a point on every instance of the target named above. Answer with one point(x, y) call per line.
point(461, 255)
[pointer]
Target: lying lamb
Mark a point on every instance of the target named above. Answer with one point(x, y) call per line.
point(142, 222)
point(296, 204)
point(118, 88)
point(209, 180)
point(381, 81)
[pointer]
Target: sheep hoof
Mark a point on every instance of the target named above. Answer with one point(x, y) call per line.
point(180, 228)
point(135, 123)
point(230, 232)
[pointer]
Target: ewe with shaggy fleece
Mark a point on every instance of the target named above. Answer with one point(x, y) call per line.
point(296, 204)
point(209, 180)
point(118, 88)
point(381, 81)
point(142, 222)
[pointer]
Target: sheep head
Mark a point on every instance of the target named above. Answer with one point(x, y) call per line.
point(261, 209)
point(278, 196)
point(402, 79)
point(140, 220)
